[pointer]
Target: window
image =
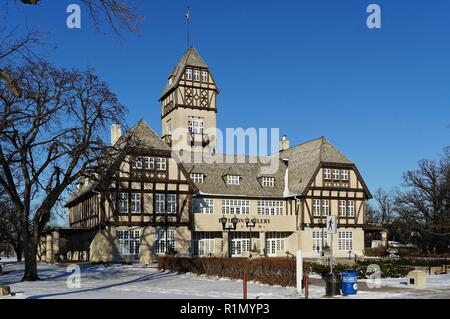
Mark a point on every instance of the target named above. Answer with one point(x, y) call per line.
point(320, 240)
point(268, 181)
point(169, 127)
point(128, 242)
point(274, 243)
point(344, 174)
point(204, 76)
point(149, 163)
point(316, 207)
point(197, 177)
point(235, 206)
point(195, 125)
point(270, 207)
point(325, 207)
point(137, 163)
point(203, 244)
point(204, 206)
point(135, 203)
point(164, 241)
point(161, 164)
point(342, 208)
point(351, 208)
point(188, 74)
point(336, 175)
point(196, 75)
point(240, 242)
point(327, 174)
point(233, 179)
point(345, 240)
point(172, 203)
point(160, 205)
point(123, 202)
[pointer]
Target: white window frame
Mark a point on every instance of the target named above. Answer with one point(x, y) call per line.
point(162, 243)
point(342, 208)
point(169, 127)
point(203, 244)
point(270, 207)
point(128, 242)
point(204, 76)
point(196, 125)
point(189, 74)
point(197, 75)
point(240, 243)
point(325, 207)
point(236, 206)
point(233, 180)
point(319, 240)
point(327, 174)
point(275, 243)
point(136, 203)
point(197, 178)
point(160, 203)
point(344, 174)
point(161, 164)
point(316, 207)
point(351, 208)
point(336, 175)
point(137, 162)
point(149, 163)
point(123, 202)
point(204, 206)
point(268, 181)
point(345, 241)
point(171, 203)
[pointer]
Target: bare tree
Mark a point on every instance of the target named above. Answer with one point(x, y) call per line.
point(51, 134)
point(384, 207)
point(10, 231)
point(425, 205)
point(117, 13)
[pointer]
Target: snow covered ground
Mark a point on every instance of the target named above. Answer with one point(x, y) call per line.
point(136, 281)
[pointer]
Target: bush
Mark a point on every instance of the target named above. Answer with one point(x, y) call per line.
point(271, 271)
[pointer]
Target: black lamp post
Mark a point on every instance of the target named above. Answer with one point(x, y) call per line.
point(234, 221)
point(250, 224)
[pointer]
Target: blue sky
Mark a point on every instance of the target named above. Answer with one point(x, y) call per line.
point(311, 68)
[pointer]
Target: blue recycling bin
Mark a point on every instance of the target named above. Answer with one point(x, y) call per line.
point(349, 283)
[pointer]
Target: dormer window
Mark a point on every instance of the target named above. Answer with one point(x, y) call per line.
point(197, 177)
point(268, 181)
point(233, 179)
point(204, 76)
point(196, 75)
point(327, 174)
point(336, 174)
point(344, 175)
point(188, 74)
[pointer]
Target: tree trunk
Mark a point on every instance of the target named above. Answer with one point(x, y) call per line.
point(19, 251)
point(30, 252)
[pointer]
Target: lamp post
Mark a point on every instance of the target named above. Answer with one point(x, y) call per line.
point(234, 221)
point(250, 224)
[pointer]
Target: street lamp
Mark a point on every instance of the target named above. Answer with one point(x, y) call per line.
point(250, 223)
point(234, 221)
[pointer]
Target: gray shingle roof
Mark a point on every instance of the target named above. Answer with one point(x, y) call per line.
point(190, 58)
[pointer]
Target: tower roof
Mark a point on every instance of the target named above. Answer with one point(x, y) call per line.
point(190, 58)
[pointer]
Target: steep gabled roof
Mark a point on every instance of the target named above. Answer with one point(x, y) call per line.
point(190, 58)
point(306, 158)
point(146, 137)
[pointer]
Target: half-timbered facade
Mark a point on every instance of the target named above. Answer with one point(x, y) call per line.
point(146, 209)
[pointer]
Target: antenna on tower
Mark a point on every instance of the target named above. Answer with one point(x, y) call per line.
point(187, 16)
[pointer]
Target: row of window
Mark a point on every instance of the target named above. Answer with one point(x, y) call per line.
point(321, 207)
point(322, 239)
point(204, 242)
point(234, 180)
point(335, 174)
point(231, 206)
point(148, 163)
point(161, 205)
point(196, 75)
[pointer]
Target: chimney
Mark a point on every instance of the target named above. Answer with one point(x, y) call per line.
point(116, 133)
point(284, 143)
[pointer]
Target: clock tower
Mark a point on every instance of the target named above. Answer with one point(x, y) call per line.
point(188, 106)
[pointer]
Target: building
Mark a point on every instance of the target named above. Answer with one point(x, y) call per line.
point(156, 204)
